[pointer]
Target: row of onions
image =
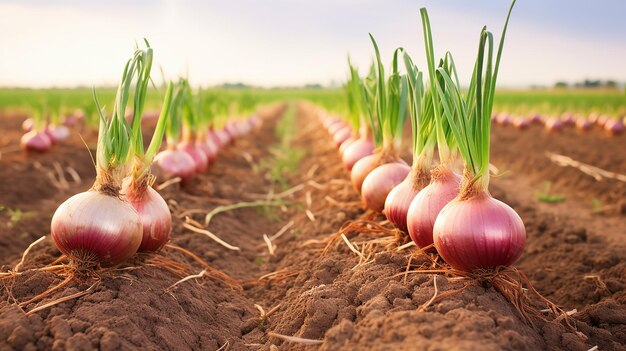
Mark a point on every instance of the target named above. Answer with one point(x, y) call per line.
point(43, 130)
point(122, 214)
point(610, 125)
point(431, 202)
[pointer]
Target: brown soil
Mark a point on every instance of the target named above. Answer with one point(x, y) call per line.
point(573, 257)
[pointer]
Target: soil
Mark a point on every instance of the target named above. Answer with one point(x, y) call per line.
point(333, 299)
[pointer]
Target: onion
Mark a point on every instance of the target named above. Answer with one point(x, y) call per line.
point(336, 126)
point(479, 233)
point(36, 141)
point(364, 146)
point(521, 123)
point(602, 119)
point(155, 216)
point(614, 127)
point(209, 148)
point(96, 227)
point(553, 125)
point(28, 124)
point(59, 132)
point(400, 198)
point(380, 181)
point(568, 119)
point(345, 144)
point(425, 207)
point(341, 135)
point(361, 169)
point(200, 159)
point(176, 163)
point(583, 124)
point(537, 119)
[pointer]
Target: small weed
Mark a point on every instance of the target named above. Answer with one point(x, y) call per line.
point(545, 196)
point(259, 261)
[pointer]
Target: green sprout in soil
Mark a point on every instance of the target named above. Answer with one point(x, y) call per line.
point(546, 196)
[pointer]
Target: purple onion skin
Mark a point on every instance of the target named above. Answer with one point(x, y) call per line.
point(398, 202)
point(35, 141)
point(345, 144)
point(356, 151)
point(583, 124)
point(341, 135)
point(200, 159)
point(336, 126)
point(176, 163)
point(361, 169)
point(209, 148)
point(28, 124)
point(614, 127)
point(95, 226)
point(553, 125)
point(521, 123)
point(427, 204)
point(380, 181)
point(479, 233)
point(155, 216)
point(59, 133)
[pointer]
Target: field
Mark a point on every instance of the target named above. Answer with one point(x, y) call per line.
point(295, 283)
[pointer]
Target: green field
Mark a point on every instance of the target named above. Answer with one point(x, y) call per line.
point(612, 102)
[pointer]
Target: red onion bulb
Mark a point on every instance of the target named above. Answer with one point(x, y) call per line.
point(58, 133)
point(356, 151)
point(28, 124)
point(400, 198)
point(427, 204)
point(200, 159)
point(380, 181)
point(176, 163)
point(341, 135)
point(96, 227)
point(35, 141)
point(345, 144)
point(614, 127)
point(155, 216)
point(479, 233)
point(361, 169)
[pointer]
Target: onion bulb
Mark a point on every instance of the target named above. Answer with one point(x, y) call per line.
point(362, 147)
point(425, 207)
point(341, 135)
point(176, 163)
point(200, 159)
point(479, 233)
point(96, 227)
point(35, 141)
point(400, 198)
point(154, 214)
point(614, 127)
point(345, 144)
point(380, 181)
point(361, 169)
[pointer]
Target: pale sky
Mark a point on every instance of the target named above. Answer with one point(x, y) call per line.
point(293, 42)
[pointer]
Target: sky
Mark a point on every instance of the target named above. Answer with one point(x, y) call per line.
point(293, 42)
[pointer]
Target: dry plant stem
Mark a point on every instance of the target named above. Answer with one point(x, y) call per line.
point(281, 195)
point(47, 292)
point(61, 174)
point(211, 235)
point(189, 277)
point(75, 176)
point(351, 246)
point(311, 172)
point(225, 346)
point(63, 299)
point(19, 265)
point(595, 172)
point(361, 226)
point(222, 209)
point(295, 339)
point(167, 183)
point(278, 275)
point(228, 280)
point(310, 215)
point(269, 244)
point(282, 230)
point(405, 246)
point(316, 185)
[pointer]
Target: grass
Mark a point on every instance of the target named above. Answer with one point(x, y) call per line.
point(557, 101)
point(545, 196)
